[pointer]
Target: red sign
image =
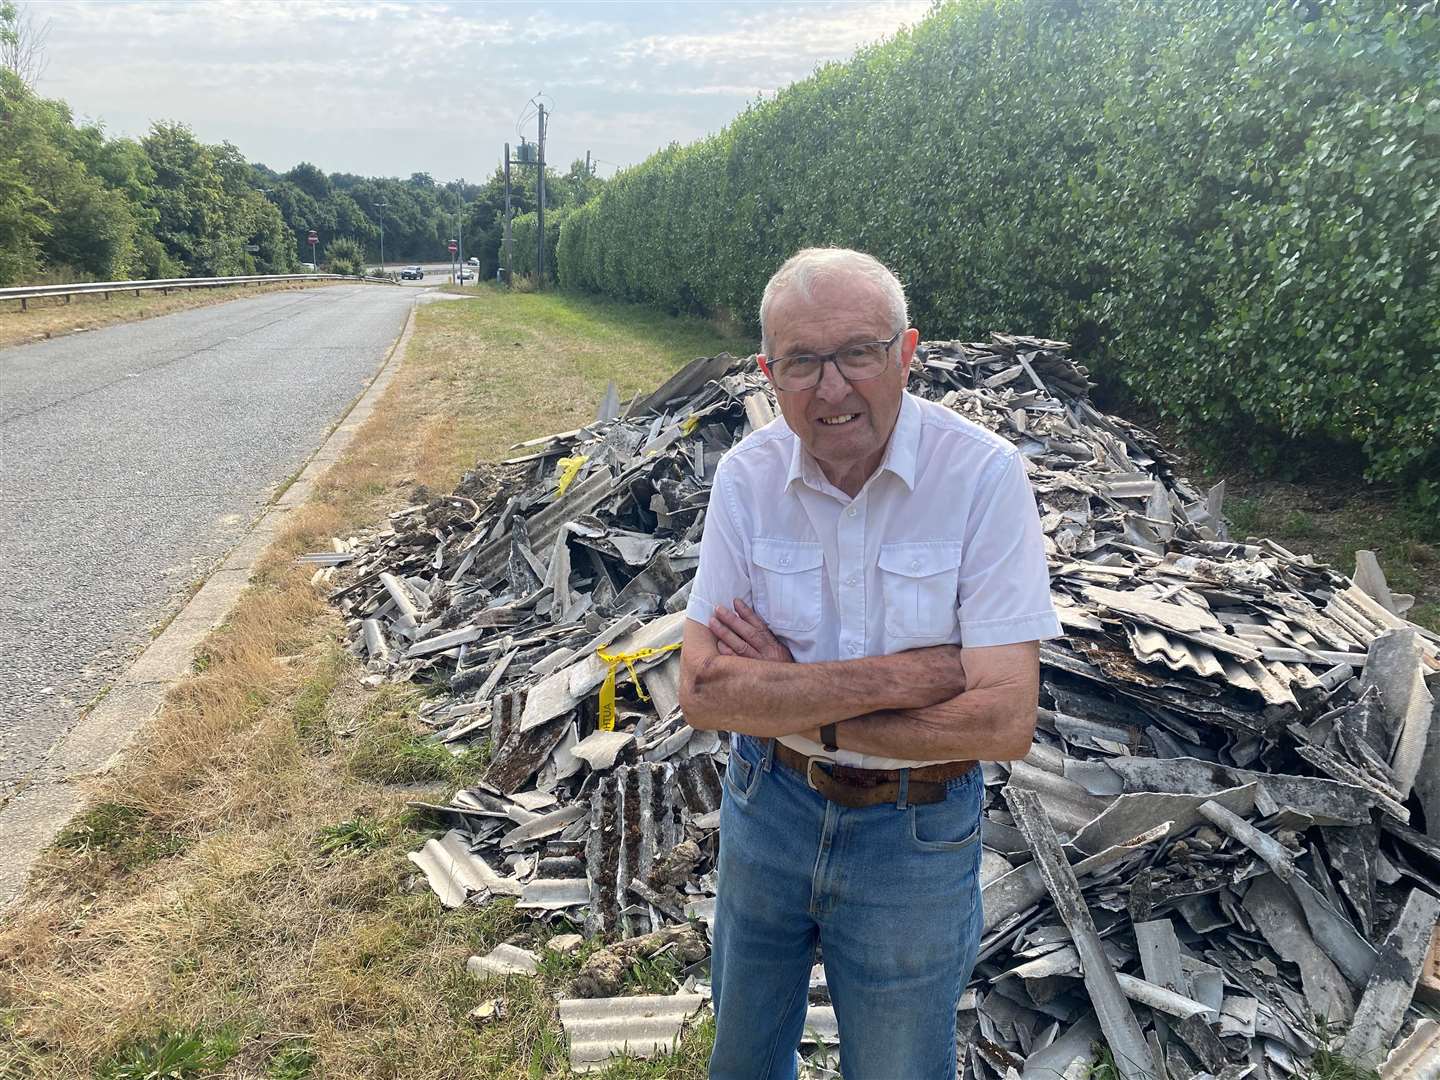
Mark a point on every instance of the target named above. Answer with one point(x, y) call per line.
point(453, 247)
point(313, 238)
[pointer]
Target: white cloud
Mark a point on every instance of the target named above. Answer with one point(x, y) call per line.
point(399, 86)
point(768, 42)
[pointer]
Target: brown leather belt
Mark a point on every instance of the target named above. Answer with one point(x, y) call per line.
point(853, 787)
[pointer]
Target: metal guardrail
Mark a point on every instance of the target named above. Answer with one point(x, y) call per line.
point(26, 293)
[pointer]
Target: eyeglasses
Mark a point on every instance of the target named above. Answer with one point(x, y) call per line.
point(856, 363)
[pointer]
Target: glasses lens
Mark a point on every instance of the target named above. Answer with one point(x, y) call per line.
point(863, 361)
point(797, 372)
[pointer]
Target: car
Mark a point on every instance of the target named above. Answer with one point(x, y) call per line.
point(308, 266)
point(472, 261)
point(466, 274)
point(411, 273)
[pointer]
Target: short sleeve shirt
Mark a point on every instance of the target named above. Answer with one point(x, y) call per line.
point(941, 546)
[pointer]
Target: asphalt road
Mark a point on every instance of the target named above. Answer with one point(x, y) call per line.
point(435, 273)
point(133, 458)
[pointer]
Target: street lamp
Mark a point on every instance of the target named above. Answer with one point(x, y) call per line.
point(382, 206)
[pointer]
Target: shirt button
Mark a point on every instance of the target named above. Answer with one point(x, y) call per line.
point(850, 580)
point(854, 648)
point(914, 564)
point(784, 560)
point(852, 511)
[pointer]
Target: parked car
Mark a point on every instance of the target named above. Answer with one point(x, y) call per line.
point(411, 273)
point(466, 274)
point(308, 267)
point(472, 261)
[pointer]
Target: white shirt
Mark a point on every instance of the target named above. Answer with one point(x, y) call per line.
point(941, 546)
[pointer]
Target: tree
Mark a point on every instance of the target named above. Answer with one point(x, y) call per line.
point(22, 43)
point(22, 224)
point(345, 256)
point(186, 196)
point(57, 212)
point(310, 180)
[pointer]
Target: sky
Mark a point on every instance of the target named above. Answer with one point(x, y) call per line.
point(393, 87)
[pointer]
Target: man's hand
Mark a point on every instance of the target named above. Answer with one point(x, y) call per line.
point(743, 633)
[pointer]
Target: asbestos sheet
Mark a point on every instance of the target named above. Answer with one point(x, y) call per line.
point(1388, 993)
point(1131, 814)
point(503, 960)
point(455, 874)
point(1278, 917)
point(1324, 802)
point(599, 749)
point(1133, 1057)
point(603, 1028)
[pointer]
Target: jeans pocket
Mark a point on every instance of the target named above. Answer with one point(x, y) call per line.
point(949, 826)
point(742, 772)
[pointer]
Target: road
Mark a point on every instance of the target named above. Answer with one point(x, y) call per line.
point(133, 458)
point(435, 273)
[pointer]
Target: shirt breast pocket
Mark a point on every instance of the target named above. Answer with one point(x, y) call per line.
point(787, 583)
point(919, 585)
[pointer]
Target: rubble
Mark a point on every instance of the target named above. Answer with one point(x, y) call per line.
point(1229, 821)
point(604, 971)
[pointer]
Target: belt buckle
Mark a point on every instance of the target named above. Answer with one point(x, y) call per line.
point(810, 764)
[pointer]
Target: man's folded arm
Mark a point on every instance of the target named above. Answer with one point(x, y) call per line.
point(993, 719)
point(766, 698)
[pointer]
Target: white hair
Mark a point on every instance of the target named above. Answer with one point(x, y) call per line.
point(803, 270)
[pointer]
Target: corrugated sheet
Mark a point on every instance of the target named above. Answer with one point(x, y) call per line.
point(633, 821)
point(553, 894)
point(602, 1028)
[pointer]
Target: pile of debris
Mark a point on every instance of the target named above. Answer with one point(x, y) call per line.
point(1229, 824)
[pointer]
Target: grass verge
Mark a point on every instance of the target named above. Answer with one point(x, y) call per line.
point(1332, 520)
point(237, 900)
point(52, 316)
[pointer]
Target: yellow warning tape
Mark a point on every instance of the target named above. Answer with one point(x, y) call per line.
point(567, 468)
point(607, 688)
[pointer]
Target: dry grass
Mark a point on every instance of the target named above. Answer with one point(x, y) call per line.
point(53, 317)
point(237, 900)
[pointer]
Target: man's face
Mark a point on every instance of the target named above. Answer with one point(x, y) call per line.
point(845, 426)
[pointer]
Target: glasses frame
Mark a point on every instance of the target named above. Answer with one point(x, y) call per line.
point(829, 358)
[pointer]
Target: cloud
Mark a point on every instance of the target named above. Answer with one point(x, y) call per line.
point(781, 40)
point(399, 86)
point(723, 90)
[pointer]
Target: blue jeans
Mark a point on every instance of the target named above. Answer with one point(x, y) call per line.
point(890, 893)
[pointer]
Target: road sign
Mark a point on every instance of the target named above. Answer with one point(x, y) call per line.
point(252, 248)
point(453, 247)
point(313, 238)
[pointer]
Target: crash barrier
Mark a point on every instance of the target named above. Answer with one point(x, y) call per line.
point(26, 293)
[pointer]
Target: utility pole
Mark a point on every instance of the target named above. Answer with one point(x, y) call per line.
point(587, 162)
point(540, 208)
point(381, 206)
point(460, 230)
point(508, 264)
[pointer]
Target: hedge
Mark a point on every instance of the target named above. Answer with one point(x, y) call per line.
point(523, 228)
point(1231, 207)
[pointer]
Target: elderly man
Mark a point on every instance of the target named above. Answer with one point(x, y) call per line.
point(872, 586)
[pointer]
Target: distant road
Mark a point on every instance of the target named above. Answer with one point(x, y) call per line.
point(435, 273)
point(133, 458)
